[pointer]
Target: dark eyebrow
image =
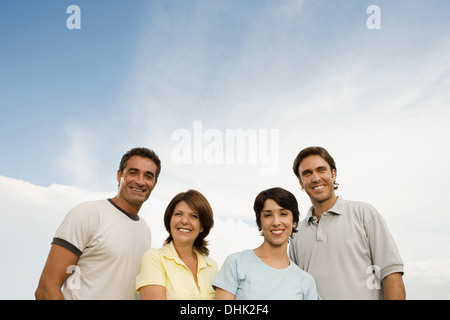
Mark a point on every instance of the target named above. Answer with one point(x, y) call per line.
point(306, 171)
point(137, 170)
point(281, 209)
point(318, 168)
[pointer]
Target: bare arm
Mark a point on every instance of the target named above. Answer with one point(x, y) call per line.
point(393, 287)
point(55, 273)
point(224, 295)
point(153, 292)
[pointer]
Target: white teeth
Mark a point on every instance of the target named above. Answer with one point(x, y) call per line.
point(277, 231)
point(184, 230)
point(139, 190)
point(319, 187)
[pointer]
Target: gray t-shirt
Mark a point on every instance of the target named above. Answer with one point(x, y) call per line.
point(348, 252)
point(109, 243)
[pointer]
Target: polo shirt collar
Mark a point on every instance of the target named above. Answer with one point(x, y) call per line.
point(338, 208)
point(170, 252)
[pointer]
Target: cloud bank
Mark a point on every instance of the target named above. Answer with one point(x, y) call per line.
point(31, 215)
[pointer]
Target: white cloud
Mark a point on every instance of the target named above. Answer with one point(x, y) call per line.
point(31, 214)
point(78, 159)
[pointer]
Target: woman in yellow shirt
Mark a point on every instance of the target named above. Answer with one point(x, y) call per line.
point(181, 269)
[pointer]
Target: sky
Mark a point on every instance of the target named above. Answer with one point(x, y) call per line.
point(189, 78)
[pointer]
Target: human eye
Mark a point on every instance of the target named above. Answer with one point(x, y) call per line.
point(266, 214)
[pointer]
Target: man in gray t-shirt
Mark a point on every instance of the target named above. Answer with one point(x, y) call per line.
point(345, 245)
point(102, 242)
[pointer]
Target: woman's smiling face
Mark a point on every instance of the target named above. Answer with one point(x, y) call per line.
point(185, 224)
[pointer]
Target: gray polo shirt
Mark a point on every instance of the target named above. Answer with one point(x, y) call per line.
point(348, 252)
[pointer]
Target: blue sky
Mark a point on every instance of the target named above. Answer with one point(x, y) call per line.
point(73, 101)
point(53, 77)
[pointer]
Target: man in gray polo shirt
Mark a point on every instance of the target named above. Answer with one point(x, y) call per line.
point(345, 245)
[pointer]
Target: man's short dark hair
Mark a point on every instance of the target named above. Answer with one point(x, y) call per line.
point(142, 152)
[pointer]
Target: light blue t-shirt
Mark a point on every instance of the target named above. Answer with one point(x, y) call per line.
point(249, 278)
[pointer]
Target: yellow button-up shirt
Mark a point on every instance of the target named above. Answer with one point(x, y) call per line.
point(164, 267)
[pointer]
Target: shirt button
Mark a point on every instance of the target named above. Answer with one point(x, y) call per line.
point(319, 235)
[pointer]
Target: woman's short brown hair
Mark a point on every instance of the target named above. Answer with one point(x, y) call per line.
point(198, 203)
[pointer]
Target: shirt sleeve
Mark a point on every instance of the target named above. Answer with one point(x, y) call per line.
point(77, 228)
point(385, 255)
point(152, 270)
point(311, 290)
point(227, 279)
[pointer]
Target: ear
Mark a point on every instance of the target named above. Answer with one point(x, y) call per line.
point(333, 174)
point(119, 176)
point(300, 181)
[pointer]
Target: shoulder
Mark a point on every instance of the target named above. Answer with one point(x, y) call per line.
point(210, 262)
point(364, 211)
point(241, 256)
point(91, 205)
point(301, 275)
point(359, 205)
point(88, 208)
point(153, 253)
point(86, 215)
point(152, 258)
point(242, 262)
point(299, 272)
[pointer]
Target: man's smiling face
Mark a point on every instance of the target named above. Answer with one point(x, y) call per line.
point(137, 180)
point(317, 178)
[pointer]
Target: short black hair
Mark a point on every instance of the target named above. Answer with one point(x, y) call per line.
point(142, 152)
point(283, 198)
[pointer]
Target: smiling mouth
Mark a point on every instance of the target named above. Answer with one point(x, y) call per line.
point(184, 230)
point(138, 190)
point(277, 232)
point(318, 187)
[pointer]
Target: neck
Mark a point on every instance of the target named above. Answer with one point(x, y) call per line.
point(274, 256)
point(323, 206)
point(128, 207)
point(185, 251)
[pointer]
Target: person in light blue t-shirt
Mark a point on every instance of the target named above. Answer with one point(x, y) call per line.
point(267, 273)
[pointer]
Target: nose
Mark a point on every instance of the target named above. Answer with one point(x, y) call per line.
point(140, 180)
point(315, 176)
point(276, 220)
point(184, 219)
